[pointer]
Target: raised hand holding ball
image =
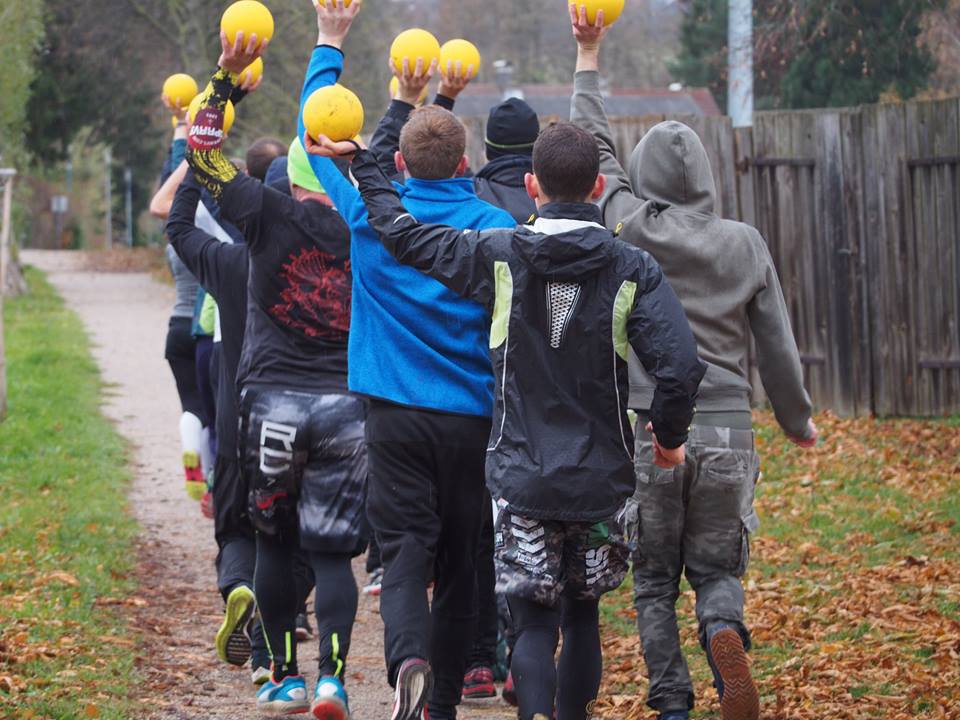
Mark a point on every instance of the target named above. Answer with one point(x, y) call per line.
point(333, 112)
point(395, 90)
point(412, 45)
point(179, 90)
point(612, 9)
point(462, 51)
point(249, 17)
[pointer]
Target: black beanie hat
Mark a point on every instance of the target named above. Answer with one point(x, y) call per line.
point(512, 129)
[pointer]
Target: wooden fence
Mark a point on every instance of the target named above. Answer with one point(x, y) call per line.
point(861, 210)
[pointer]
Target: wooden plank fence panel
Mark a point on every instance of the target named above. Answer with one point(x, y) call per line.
point(861, 211)
point(932, 231)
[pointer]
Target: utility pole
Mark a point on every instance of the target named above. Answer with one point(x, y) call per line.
point(740, 63)
point(6, 183)
point(108, 196)
point(128, 203)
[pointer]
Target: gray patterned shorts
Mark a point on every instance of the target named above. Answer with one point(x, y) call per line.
point(544, 560)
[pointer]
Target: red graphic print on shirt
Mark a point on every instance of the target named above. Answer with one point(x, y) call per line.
point(316, 301)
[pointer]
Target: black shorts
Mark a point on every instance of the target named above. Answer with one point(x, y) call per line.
point(304, 460)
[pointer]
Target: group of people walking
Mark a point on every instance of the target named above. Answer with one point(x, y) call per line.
point(514, 381)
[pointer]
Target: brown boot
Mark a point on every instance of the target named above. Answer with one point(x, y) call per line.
point(740, 700)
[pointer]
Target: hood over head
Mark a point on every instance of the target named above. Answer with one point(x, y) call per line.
point(566, 242)
point(670, 167)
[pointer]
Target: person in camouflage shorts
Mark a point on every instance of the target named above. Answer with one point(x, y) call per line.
point(546, 561)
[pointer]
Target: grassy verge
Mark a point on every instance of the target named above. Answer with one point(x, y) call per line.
point(65, 533)
point(852, 592)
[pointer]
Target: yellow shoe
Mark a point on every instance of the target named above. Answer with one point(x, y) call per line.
point(233, 637)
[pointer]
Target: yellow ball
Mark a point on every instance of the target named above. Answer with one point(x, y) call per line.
point(395, 88)
point(333, 111)
point(413, 44)
point(249, 16)
point(229, 114)
point(464, 51)
point(253, 72)
point(179, 90)
point(611, 9)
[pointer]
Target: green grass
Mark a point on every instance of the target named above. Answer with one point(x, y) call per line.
point(66, 537)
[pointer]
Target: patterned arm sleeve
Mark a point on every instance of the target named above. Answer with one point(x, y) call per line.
point(204, 153)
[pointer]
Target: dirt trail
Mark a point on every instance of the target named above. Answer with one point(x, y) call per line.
point(179, 608)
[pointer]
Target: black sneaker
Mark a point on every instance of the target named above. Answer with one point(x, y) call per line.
point(304, 631)
point(414, 682)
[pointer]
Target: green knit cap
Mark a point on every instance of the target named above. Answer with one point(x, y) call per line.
point(299, 170)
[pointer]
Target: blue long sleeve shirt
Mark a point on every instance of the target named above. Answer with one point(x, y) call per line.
point(412, 341)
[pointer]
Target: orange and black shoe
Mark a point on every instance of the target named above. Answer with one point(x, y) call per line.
point(739, 699)
point(478, 683)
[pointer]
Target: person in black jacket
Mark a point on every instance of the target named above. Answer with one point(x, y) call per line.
point(567, 300)
point(512, 129)
point(222, 270)
point(301, 432)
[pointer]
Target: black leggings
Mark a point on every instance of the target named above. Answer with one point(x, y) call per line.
point(275, 586)
point(181, 354)
point(575, 681)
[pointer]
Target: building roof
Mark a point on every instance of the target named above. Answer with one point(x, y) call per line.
point(554, 100)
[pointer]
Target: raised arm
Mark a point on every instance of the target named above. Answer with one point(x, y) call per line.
point(658, 330)
point(326, 64)
point(461, 260)
point(588, 111)
point(199, 251)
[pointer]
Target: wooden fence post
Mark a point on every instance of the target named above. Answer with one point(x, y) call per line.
point(6, 182)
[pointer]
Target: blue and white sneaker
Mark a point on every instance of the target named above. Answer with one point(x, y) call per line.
point(288, 697)
point(330, 700)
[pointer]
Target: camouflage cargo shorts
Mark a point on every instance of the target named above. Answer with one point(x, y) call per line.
point(544, 560)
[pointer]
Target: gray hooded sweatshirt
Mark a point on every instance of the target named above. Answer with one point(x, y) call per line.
point(721, 270)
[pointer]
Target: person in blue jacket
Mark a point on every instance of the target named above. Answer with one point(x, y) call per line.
point(418, 352)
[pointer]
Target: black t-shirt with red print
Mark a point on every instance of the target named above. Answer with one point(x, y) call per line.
point(298, 294)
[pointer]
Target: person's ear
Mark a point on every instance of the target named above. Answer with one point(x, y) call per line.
point(399, 162)
point(532, 185)
point(462, 166)
point(598, 187)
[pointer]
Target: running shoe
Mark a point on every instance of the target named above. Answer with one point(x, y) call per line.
point(260, 675)
point(330, 700)
point(509, 692)
point(414, 682)
point(739, 699)
point(478, 683)
point(287, 697)
point(233, 637)
point(304, 631)
point(375, 583)
point(196, 483)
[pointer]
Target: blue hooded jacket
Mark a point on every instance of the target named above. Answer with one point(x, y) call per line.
point(412, 341)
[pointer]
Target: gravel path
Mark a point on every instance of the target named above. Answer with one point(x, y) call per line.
point(178, 609)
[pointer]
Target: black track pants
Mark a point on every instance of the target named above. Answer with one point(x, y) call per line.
point(424, 503)
point(278, 596)
point(575, 680)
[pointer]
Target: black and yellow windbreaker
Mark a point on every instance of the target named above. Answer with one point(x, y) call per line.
point(566, 300)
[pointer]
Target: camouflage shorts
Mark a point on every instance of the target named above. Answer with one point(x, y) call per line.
point(544, 560)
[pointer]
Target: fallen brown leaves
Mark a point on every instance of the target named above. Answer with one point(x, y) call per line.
point(853, 596)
